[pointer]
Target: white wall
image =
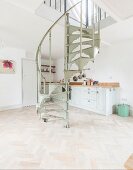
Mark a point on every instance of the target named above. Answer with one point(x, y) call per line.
point(59, 69)
point(11, 84)
point(29, 82)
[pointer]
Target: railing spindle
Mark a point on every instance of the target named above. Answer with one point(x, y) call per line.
point(87, 14)
point(98, 20)
point(55, 5)
point(50, 54)
point(105, 15)
point(60, 5)
point(65, 5)
point(100, 14)
point(81, 25)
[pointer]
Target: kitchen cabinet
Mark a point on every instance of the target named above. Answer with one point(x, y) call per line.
point(96, 99)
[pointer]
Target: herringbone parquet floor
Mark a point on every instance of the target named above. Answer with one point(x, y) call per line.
point(92, 142)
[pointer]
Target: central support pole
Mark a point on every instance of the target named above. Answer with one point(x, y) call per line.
point(50, 56)
point(87, 14)
point(65, 5)
point(66, 68)
point(81, 29)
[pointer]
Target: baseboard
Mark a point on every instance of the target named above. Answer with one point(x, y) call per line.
point(4, 108)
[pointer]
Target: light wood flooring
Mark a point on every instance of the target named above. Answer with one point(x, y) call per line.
point(92, 142)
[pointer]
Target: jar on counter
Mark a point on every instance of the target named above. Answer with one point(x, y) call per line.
point(85, 83)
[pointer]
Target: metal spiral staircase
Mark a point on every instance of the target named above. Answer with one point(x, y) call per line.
point(82, 43)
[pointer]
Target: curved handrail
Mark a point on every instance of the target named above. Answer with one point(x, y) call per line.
point(53, 26)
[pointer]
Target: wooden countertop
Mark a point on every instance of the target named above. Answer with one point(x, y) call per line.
point(103, 85)
point(95, 86)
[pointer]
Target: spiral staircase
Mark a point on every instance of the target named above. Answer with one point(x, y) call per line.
point(82, 43)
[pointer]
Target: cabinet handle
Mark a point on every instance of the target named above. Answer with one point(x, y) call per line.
point(89, 101)
point(97, 92)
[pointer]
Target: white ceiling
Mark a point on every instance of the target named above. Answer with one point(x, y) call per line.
point(120, 31)
point(21, 27)
point(30, 5)
point(122, 12)
point(118, 9)
point(121, 8)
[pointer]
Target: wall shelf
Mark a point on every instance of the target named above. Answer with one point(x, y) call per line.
point(48, 72)
point(48, 66)
point(46, 69)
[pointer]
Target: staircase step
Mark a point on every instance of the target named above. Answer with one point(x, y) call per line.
point(54, 103)
point(75, 45)
point(88, 51)
point(53, 110)
point(56, 89)
point(63, 94)
point(58, 100)
point(50, 117)
point(70, 73)
point(59, 96)
point(73, 37)
point(73, 54)
point(96, 43)
point(81, 62)
point(73, 29)
point(89, 31)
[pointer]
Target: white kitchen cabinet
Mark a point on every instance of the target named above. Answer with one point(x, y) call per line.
point(96, 99)
point(101, 99)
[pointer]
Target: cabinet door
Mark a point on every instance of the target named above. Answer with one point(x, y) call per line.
point(101, 99)
point(83, 92)
point(92, 104)
point(109, 101)
point(75, 95)
point(93, 94)
point(29, 91)
point(92, 98)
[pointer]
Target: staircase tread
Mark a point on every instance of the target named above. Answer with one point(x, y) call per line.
point(55, 109)
point(78, 59)
point(82, 50)
point(77, 27)
point(53, 103)
point(79, 43)
point(82, 34)
point(58, 93)
point(79, 35)
point(71, 70)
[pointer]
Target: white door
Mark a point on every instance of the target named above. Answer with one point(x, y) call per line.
point(29, 82)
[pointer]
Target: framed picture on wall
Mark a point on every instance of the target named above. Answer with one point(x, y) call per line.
point(7, 67)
